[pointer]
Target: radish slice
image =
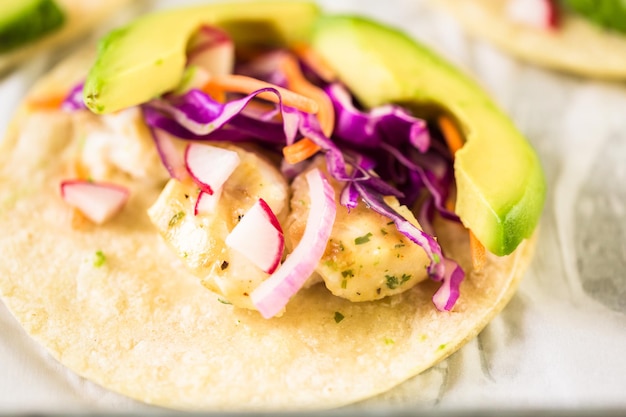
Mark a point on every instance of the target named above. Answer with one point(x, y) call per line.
point(207, 203)
point(210, 166)
point(537, 13)
point(97, 201)
point(272, 295)
point(259, 237)
point(212, 50)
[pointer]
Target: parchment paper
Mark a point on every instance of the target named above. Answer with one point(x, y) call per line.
point(561, 341)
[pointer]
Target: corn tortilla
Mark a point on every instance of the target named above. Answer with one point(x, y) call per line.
point(137, 323)
point(575, 46)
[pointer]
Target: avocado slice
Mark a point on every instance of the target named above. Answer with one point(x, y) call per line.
point(23, 21)
point(126, 62)
point(500, 182)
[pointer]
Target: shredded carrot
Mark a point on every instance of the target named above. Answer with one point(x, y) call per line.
point(45, 103)
point(450, 133)
point(247, 85)
point(296, 81)
point(315, 61)
point(478, 252)
point(218, 94)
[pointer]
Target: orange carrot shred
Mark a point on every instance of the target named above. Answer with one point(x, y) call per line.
point(315, 61)
point(454, 140)
point(45, 103)
point(247, 85)
point(296, 81)
point(451, 133)
point(299, 151)
point(478, 252)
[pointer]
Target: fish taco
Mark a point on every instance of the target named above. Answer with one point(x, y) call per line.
point(263, 207)
point(584, 38)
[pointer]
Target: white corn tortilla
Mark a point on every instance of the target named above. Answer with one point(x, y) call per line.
point(576, 46)
point(142, 326)
point(80, 17)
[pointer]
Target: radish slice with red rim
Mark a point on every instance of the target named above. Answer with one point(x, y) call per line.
point(97, 201)
point(541, 14)
point(210, 166)
point(273, 294)
point(207, 203)
point(259, 237)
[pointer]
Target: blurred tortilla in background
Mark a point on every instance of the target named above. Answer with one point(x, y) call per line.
point(575, 46)
point(76, 18)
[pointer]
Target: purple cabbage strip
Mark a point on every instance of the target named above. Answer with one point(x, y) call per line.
point(386, 124)
point(74, 100)
point(198, 113)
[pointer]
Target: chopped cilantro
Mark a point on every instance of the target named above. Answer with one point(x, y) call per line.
point(441, 346)
point(338, 317)
point(221, 300)
point(100, 259)
point(389, 341)
point(176, 218)
point(347, 273)
point(362, 239)
point(383, 231)
point(393, 282)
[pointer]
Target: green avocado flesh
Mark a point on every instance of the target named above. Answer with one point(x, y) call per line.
point(610, 14)
point(23, 21)
point(146, 58)
point(500, 183)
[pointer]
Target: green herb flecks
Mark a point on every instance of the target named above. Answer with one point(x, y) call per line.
point(176, 218)
point(221, 300)
point(394, 282)
point(362, 239)
point(99, 259)
point(389, 341)
point(338, 317)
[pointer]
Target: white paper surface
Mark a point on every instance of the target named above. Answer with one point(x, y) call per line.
point(560, 342)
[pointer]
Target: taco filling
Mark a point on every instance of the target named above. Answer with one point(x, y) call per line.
point(241, 134)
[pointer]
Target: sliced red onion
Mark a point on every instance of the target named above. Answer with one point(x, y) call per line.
point(273, 294)
point(210, 166)
point(213, 50)
point(259, 237)
point(171, 156)
point(207, 203)
point(97, 201)
point(541, 14)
